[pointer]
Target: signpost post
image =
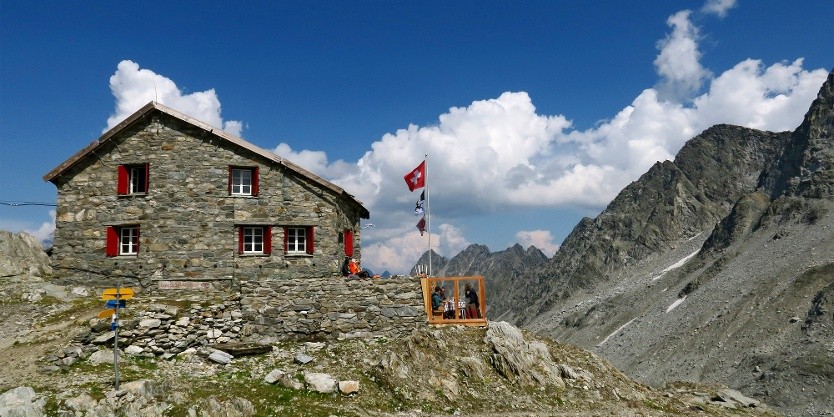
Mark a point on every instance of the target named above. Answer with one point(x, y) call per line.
point(116, 298)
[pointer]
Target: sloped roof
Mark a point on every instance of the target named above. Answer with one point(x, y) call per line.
point(151, 107)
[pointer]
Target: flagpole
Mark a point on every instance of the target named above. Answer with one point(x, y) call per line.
point(428, 208)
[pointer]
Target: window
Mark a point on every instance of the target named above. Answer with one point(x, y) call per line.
point(132, 179)
point(122, 240)
point(298, 240)
point(254, 240)
point(243, 180)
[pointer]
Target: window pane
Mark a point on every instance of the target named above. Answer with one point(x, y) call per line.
point(297, 240)
point(128, 240)
point(242, 181)
point(253, 239)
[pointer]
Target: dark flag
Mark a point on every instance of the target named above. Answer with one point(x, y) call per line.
point(418, 209)
point(421, 225)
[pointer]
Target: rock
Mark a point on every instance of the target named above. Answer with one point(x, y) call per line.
point(134, 350)
point(303, 358)
point(80, 291)
point(320, 382)
point(220, 357)
point(348, 387)
point(145, 388)
point(150, 323)
point(234, 407)
point(274, 376)
point(731, 395)
point(519, 360)
point(81, 404)
point(214, 334)
point(21, 402)
point(279, 376)
point(187, 354)
point(22, 254)
point(102, 356)
point(106, 338)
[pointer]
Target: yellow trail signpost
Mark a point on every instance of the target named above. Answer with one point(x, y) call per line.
point(117, 294)
point(116, 298)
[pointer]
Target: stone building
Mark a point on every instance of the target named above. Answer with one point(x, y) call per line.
point(177, 203)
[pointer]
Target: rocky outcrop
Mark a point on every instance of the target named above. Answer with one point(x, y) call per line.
point(22, 254)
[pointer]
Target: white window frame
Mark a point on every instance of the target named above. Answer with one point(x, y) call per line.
point(129, 240)
point(239, 181)
point(253, 239)
point(296, 240)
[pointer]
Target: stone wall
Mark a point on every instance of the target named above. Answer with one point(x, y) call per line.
point(310, 309)
point(188, 221)
point(331, 308)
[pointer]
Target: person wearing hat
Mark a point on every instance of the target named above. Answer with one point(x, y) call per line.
point(356, 269)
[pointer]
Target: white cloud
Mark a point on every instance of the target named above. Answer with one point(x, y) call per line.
point(498, 154)
point(399, 251)
point(134, 87)
point(541, 239)
point(316, 162)
point(678, 62)
point(46, 231)
point(773, 98)
point(718, 7)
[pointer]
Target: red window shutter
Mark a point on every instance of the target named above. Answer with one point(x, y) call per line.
point(147, 171)
point(121, 180)
point(310, 239)
point(286, 239)
point(268, 240)
point(240, 239)
point(230, 179)
point(112, 245)
point(255, 172)
point(348, 242)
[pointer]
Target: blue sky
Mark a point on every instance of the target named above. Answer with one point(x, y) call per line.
point(533, 114)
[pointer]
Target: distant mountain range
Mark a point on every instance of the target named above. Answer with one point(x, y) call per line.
point(499, 269)
point(717, 266)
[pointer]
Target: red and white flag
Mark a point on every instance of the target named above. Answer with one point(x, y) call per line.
point(421, 225)
point(417, 177)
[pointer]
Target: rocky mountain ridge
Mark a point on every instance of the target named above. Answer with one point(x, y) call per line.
point(717, 266)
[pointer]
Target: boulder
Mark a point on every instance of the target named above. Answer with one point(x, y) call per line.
point(21, 402)
point(220, 357)
point(348, 387)
point(320, 382)
point(22, 253)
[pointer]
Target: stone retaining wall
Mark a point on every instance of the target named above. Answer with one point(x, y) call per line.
point(331, 308)
point(165, 324)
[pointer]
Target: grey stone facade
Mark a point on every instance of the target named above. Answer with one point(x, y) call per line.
point(187, 219)
point(331, 308)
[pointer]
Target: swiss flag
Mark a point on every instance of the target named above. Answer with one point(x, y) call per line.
point(417, 177)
